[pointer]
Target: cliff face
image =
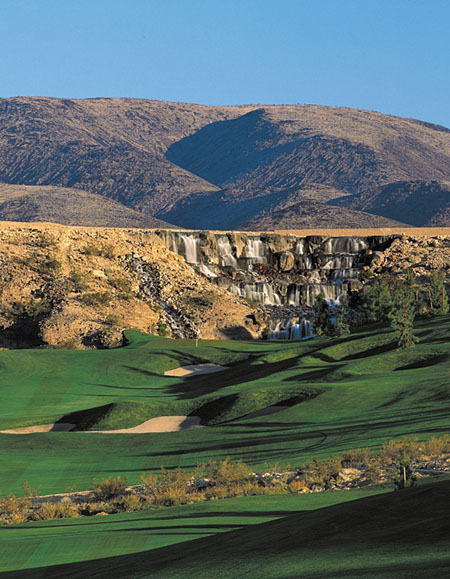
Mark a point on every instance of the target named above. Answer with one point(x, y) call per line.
point(80, 287)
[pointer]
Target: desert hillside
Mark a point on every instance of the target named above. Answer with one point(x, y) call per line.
point(81, 287)
point(205, 167)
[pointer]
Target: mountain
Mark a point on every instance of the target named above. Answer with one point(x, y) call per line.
point(421, 203)
point(227, 167)
point(69, 207)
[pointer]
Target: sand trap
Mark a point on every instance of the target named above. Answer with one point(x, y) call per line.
point(195, 369)
point(58, 427)
point(160, 424)
point(263, 412)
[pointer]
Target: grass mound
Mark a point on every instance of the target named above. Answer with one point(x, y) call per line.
point(392, 535)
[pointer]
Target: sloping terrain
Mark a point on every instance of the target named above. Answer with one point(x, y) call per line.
point(68, 207)
point(390, 536)
point(280, 151)
point(337, 393)
point(421, 203)
point(312, 214)
point(112, 147)
point(75, 287)
point(220, 167)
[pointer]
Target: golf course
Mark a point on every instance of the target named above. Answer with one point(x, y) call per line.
point(266, 403)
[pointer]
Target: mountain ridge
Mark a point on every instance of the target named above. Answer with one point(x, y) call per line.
point(183, 163)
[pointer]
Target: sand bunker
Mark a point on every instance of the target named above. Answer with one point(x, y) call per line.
point(159, 424)
point(58, 427)
point(195, 369)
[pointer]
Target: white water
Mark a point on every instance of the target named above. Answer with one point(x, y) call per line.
point(291, 331)
point(204, 269)
point(258, 292)
point(226, 252)
point(190, 248)
point(345, 245)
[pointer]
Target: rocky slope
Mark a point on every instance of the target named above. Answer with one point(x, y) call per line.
point(222, 167)
point(80, 287)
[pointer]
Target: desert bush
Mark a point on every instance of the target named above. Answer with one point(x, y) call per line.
point(125, 504)
point(355, 457)
point(373, 474)
point(109, 488)
point(45, 239)
point(320, 472)
point(77, 281)
point(95, 299)
point(162, 330)
point(122, 284)
point(48, 511)
point(403, 450)
point(227, 472)
point(296, 486)
point(437, 446)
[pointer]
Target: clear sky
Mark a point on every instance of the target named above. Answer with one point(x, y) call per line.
point(391, 56)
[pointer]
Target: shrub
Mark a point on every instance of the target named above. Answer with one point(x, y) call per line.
point(404, 450)
point(77, 281)
point(162, 330)
point(49, 511)
point(45, 239)
point(91, 249)
point(122, 284)
point(110, 488)
point(96, 299)
point(356, 457)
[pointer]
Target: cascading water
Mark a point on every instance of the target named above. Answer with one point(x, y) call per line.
point(226, 252)
point(190, 244)
point(280, 272)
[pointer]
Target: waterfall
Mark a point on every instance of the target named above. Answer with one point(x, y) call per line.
point(190, 248)
point(204, 269)
point(345, 245)
point(226, 252)
point(254, 248)
point(316, 265)
point(291, 331)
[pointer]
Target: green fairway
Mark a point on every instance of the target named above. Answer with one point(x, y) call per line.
point(396, 535)
point(55, 542)
point(338, 394)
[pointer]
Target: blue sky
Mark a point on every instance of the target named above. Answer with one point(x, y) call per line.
point(391, 56)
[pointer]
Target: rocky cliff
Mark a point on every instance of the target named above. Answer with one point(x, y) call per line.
point(81, 287)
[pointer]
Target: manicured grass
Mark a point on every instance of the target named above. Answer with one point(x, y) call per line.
point(357, 392)
point(47, 543)
point(396, 535)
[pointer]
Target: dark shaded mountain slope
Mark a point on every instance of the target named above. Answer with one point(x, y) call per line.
point(421, 203)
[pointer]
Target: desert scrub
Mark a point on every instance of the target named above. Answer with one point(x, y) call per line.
point(109, 488)
point(45, 239)
point(106, 250)
point(122, 284)
point(78, 281)
point(95, 299)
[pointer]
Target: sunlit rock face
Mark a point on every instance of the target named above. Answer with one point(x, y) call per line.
point(282, 273)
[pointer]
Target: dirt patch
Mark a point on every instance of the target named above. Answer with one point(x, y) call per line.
point(58, 427)
point(195, 369)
